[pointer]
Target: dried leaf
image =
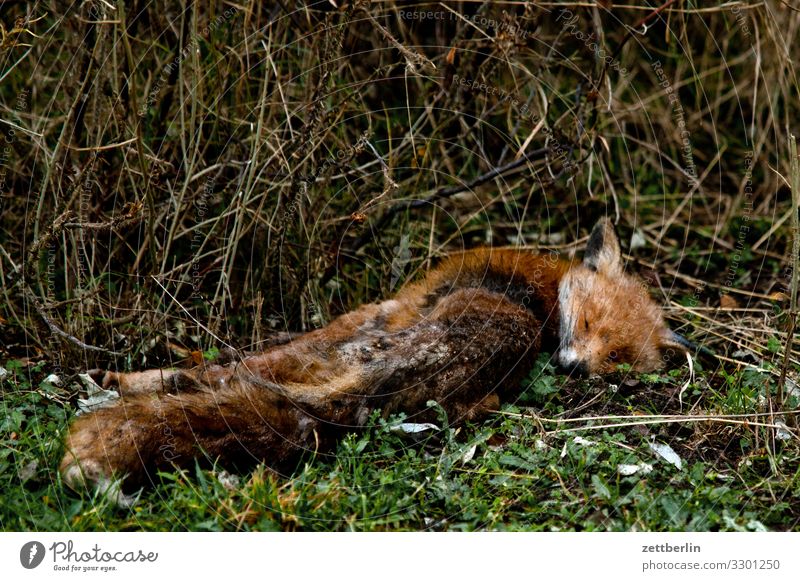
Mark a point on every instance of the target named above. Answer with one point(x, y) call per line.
point(779, 296)
point(469, 454)
point(783, 432)
point(53, 379)
point(409, 428)
point(229, 481)
point(28, 471)
point(667, 453)
point(631, 469)
point(638, 240)
point(97, 397)
point(177, 350)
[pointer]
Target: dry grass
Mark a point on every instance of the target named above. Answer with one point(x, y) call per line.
point(260, 158)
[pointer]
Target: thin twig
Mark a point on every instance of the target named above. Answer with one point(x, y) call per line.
point(631, 30)
point(794, 165)
point(675, 421)
point(444, 193)
point(646, 420)
point(640, 416)
point(55, 329)
point(129, 215)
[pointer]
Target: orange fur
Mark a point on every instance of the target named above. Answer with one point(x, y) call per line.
point(463, 336)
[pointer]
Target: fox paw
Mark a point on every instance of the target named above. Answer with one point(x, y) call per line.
point(86, 474)
point(153, 381)
point(101, 452)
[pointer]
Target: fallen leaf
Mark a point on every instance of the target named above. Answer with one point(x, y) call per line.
point(53, 379)
point(667, 453)
point(229, 481)
point(637, 240)
point(783, 432)
point(469, 454)
point(631, 469)
point(409, 428)
point(88, 383)
point(179, 351)
point(28, 471)
point(97, 397)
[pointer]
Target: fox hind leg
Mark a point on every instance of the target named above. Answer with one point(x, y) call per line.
point(242, 424)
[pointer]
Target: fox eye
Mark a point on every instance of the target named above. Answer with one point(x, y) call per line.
point(613, 355)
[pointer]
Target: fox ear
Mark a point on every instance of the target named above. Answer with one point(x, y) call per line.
point(674, 347)
point(602, 250)
point(676, 341)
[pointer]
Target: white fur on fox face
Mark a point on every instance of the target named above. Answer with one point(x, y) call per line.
point(566, 354)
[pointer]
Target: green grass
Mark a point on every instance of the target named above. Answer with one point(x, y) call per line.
point(504, 474)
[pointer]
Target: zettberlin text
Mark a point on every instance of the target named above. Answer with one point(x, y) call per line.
point(666, 548)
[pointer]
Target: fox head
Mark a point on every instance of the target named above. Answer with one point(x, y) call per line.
point(607, 317)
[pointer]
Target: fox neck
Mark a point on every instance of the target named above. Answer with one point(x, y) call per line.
point(530, 280)
point(544, 302)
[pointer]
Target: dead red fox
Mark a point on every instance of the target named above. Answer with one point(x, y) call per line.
point(464, 336)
